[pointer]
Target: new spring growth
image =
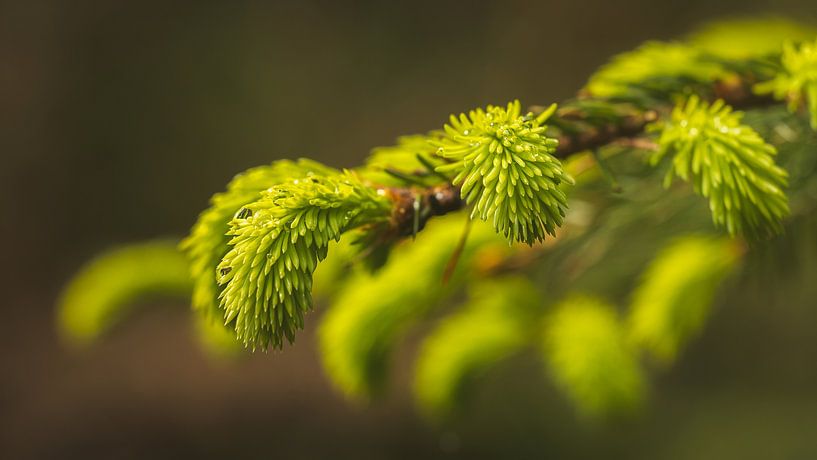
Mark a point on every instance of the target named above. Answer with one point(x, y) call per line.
point(505, 165)
point(727, 162)
point(276, 246)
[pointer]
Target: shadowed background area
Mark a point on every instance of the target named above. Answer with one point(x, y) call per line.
point(118, 120)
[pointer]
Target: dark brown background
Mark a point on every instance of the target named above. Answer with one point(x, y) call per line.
point(119, 119)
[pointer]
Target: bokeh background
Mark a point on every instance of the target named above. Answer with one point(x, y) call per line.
point(118, 120)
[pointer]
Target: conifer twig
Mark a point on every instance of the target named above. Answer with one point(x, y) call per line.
point(579, 132)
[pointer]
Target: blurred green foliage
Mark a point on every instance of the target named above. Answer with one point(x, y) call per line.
point(654, 67)
point(495, 322)
point(677, 291)
point(372, 311)
point(797, 82)
point(586, 349)
point(102, 293)
point(745, 37)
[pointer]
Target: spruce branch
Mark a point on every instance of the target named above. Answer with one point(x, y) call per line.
point(276, 246)
point(582, 124)
point(727, 162)
point(207, 242)
point(504, 164)
point(253, 254)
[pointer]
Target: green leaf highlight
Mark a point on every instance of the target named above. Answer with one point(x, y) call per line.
point(673, 301)
point(504, 162)
point(654, 68)
point(105, 290)
point(727, 162)
point(797, 80)
point(494, 324)
point(743, 38)
point(589, 358)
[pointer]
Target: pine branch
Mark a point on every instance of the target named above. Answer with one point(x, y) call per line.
point(254, 253)
point(580, 127)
